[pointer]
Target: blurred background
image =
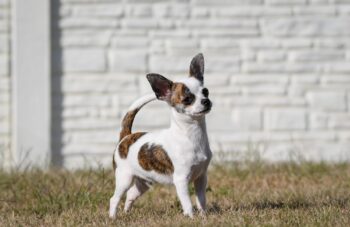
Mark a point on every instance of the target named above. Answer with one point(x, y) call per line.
point(277, 71)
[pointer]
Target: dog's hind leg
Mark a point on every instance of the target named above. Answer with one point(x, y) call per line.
point(134, 192)
point(123, 182)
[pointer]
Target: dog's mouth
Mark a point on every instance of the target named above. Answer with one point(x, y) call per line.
point(206, 110)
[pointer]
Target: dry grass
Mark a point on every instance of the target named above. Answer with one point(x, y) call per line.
point(257, 194)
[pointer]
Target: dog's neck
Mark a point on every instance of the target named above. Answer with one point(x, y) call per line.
point(194, 128)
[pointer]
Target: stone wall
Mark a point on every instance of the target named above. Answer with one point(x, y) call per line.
point(277, 71)
point(4, 80)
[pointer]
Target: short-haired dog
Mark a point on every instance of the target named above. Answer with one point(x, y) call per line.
point(177, 155)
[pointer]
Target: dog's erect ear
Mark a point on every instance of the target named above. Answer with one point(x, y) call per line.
point(160, 85)
point(197, 67)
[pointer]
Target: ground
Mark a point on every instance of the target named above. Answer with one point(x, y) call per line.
point(256, 194)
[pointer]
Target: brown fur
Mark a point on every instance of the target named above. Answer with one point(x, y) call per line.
point(154, 157)
point(127, 123)
point(178, 92)
point(127, 142)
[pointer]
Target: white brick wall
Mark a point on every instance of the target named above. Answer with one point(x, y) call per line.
point(278, 72)
point(5, 83)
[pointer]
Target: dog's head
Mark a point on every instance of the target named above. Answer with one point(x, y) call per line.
point(188, 96)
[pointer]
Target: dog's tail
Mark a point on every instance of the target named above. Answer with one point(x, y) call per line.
point(130, 115)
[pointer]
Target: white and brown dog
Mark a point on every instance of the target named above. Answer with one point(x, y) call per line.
point(177, 155)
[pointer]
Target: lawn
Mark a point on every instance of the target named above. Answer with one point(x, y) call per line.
point(251, 194)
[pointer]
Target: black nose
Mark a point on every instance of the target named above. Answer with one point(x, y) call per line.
point(205, 102)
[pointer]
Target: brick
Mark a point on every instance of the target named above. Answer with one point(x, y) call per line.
point(89, 124)
point(221, 23)
point(84, 60)
point(330, 43)
point(259, 79)
point(171, 10)
point(146, 118)
point(260, 44)
point(80, 160)
point(143, 23)
point(315, 10)
point(306, 27)
point(88, 22)
point(247, 119)
point(303, 56)
point(98, 136)
point(221, 120)
point(175, 45)
point(327, 100)
point(138, 10)
point(98, 10)
point(200, 12)
point(296, 43)
point(337, 67)
point(319, 2)
point(286, 2)
point(169, 64)
point(182, 33)
point(251, 11)
point(318, 120)
point(271, 56)
point(77, 100)
point(223, 63)
point(279, 68)
point(285, 119)
point(216, 80)
point(335, 79)
point(339, 121)
point(127, 42)
point(225, 91)
point(219, 43)
point(228, 2)
point(86, 39)
point(305, 79)
point(96, 83)
point(271, 89)
point(128, 61)
point(225, 33)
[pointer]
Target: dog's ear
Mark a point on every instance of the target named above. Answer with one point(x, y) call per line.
point(160, 85)
point(197, 67)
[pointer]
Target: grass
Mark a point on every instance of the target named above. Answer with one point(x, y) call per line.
point(251, 195)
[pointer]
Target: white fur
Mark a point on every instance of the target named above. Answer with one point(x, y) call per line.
point(186, 143)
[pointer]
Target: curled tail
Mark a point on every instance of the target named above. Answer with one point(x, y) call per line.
point(130, 115)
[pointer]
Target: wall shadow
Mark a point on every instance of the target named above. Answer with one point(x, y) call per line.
point(56, 86)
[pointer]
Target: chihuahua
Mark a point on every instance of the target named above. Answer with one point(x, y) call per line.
point(178, 155)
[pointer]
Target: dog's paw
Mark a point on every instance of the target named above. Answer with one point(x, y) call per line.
point(188, 214)
point(112, 215)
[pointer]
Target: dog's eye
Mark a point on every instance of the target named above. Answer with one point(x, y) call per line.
point(187, 100)
point(205, 92)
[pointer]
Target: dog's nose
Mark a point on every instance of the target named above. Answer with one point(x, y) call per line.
point(205, 102)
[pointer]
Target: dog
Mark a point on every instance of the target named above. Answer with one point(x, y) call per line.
point(178, 155)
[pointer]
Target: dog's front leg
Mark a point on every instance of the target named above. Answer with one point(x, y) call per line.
point(181, 184)
point(200, 185)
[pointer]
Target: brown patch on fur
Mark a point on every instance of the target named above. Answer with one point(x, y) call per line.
point(127, 142)
point(127, 123)
point(179, 94)
point(154, 157)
